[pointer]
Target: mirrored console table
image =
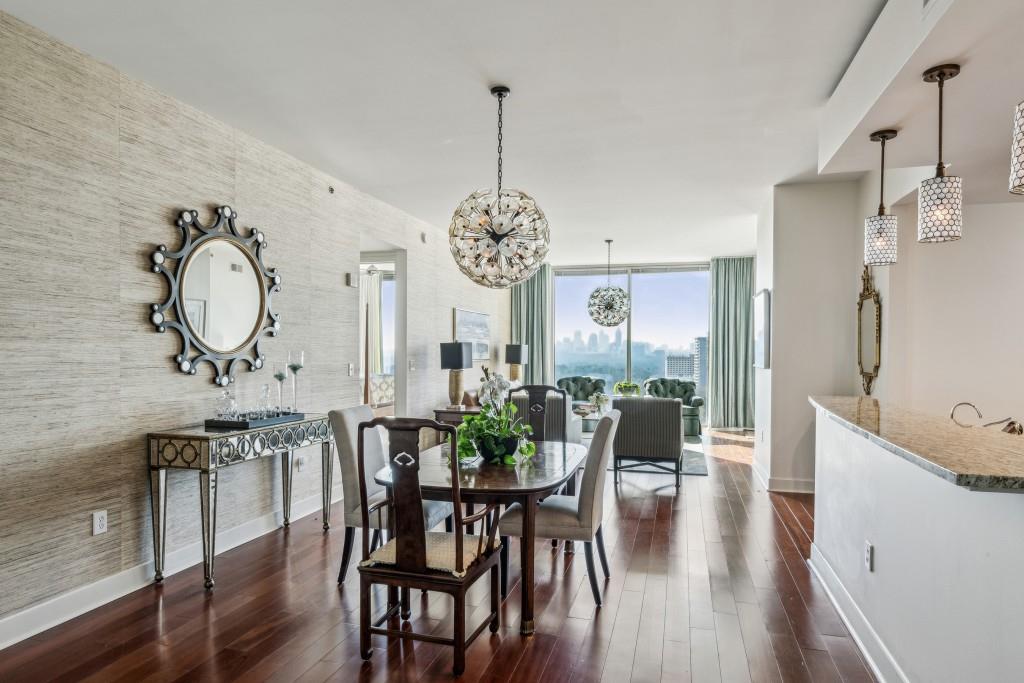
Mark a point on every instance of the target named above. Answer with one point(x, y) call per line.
point(207, 452)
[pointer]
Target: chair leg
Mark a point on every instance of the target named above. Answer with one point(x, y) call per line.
point(615, 469)
point(448, 524)
point(588, 551)
point(554, 542)
point(375, 540)
point(495, 601)
point(406, 610)
point(679, 469)
point(460, 634)
point(364, 619)
point(503, 561)
point(599, 537)
point(346, 552)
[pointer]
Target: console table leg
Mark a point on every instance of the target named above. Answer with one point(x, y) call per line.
point(208, 510)
point(327, 471)
point(286, 484)
point(158, 504)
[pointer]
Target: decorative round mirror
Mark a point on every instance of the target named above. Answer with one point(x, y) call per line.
point(219, 295)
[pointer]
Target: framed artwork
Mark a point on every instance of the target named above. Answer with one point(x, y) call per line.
point(470, 326)
point(762, 329)
point(195, 311)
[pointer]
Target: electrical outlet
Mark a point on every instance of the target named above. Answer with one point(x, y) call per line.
point(351, 369)
point(869, 556)
point(99, 522)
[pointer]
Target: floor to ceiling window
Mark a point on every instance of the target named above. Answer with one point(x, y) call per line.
point(666, 334)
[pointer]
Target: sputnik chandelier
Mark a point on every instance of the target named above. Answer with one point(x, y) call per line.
point(608, 306)
point(499, 238)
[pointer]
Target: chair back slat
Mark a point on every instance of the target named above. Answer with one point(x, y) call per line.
point(534, 410)
point(406, 517)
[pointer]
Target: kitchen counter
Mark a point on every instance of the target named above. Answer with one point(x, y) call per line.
point(976, 458)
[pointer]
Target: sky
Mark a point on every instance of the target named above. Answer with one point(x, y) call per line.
point(668, 308)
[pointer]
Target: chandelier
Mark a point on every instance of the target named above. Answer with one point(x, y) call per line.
point(499, 238)
point(940, 199)
point(880, 229)
point(609, 305)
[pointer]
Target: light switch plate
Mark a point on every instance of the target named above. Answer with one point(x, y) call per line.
point(869, 556)
point(351, 369)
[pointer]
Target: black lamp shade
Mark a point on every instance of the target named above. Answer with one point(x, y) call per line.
point(516, 354)
point(456, 355)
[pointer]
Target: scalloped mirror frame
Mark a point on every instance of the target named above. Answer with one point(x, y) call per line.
point(194, 350)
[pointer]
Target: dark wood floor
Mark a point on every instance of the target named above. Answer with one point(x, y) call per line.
point(708, 585)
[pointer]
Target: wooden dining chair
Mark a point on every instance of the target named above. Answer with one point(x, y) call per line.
point(448, 562)
point(574, 518)
point(345, 424)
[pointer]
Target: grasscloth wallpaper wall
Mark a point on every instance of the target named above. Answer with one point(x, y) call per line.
point(93, 167)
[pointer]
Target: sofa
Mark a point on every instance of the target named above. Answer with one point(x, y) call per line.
point(580, 388)
point(683, 390)
point(650, 434)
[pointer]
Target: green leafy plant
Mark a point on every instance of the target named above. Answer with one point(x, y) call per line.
point(496, 433)
point(627, 388)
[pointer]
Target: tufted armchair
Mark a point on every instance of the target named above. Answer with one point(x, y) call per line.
point(664, 387)
point(580, 388)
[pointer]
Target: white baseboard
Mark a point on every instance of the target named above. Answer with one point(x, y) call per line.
point(760, 473)
point(878, 656)
point(44, 615)
point(780, 485)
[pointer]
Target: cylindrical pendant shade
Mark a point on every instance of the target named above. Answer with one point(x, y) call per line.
point(880, 240)
point(1017, 152)
point(939, 209)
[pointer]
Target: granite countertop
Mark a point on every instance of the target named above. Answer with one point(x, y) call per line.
point(977, 458)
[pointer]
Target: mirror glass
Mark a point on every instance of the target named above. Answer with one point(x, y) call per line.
point(868, 312)
point(222, 295)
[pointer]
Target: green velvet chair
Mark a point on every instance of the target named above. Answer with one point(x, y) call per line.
point(581, 388)
point(664, 387)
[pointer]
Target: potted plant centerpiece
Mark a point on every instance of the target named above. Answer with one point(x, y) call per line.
point(627, 388)
point(495, 433)
point(600, 401)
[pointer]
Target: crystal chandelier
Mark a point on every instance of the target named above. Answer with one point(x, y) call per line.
point(940, 199)
point(609, 305)
point(880, 230)
point(499, 238)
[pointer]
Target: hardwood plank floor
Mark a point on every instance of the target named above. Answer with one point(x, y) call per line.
point(710, 584)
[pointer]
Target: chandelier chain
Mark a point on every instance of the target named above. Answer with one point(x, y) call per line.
point(501, 99)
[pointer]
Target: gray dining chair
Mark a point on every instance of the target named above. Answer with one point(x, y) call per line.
point(345, 423)
point(573, 518)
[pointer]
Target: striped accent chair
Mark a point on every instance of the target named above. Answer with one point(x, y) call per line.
point(650, 434)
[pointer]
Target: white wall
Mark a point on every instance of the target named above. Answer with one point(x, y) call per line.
point(943, 602)
point(763, 279)
point(954, 316)
point(813, 231)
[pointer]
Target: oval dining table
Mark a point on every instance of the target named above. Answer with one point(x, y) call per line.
point(553, 466)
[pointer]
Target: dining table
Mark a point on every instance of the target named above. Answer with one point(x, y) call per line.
point(551, 468)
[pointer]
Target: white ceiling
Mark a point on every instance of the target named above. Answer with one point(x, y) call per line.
point(983, 36)
point(662, 124)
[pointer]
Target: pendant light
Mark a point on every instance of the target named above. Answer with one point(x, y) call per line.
point(499, 238)
point(880, 230)
point(1017, 152)
point(940, 199)
point(608, 306)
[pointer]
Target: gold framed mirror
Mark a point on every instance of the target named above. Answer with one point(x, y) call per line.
point(869, 332)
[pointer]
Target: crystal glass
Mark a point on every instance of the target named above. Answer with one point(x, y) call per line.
point(880, 240)
point(280, 374)
point(227, 409)
point(264, 408)
point(296, 361)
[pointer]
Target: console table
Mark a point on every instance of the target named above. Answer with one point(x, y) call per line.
point(206, 452)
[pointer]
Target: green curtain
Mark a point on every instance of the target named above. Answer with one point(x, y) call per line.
point(731, 343)
point(532, 324)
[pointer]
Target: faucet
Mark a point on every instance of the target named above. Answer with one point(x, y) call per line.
point(1012, 426)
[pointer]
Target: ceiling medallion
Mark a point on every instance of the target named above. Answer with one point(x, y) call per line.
point(608, 306)
point(499, 238)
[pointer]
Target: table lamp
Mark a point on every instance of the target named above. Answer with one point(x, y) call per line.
point(515, 356)
point(456, 357)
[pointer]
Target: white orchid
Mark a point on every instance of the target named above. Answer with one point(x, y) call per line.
point(494, 389)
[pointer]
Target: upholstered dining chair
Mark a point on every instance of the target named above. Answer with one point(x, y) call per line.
point(573, 518)
point(345, 423)
point(447, 562)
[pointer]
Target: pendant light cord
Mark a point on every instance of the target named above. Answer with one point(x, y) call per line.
point(881, 184)
point(940, 169)
point(501, 99)
point(609, 242)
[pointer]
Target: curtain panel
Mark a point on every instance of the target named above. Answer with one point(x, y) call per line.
point(370, 315)
point(533, 324)
point(731, 344)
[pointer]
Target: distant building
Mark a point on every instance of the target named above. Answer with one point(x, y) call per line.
point(592, 343)
point(699, 348)
point(679, 365)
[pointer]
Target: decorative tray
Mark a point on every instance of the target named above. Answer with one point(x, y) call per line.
point(255, 423)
